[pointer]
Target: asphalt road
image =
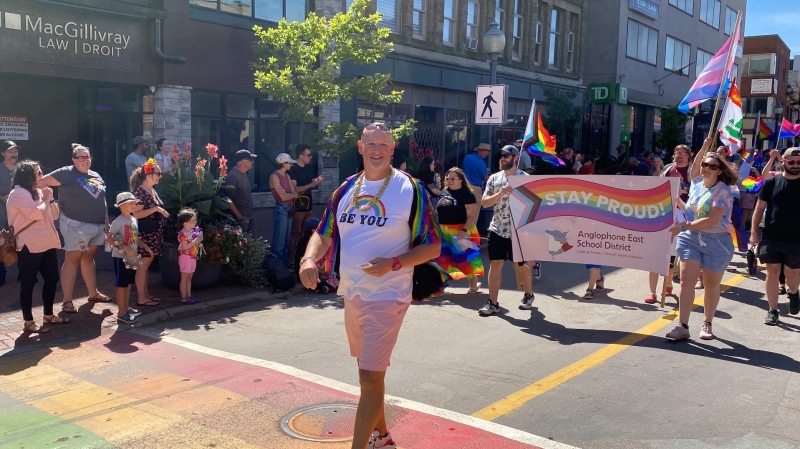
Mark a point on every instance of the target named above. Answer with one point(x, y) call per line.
point(592, 374)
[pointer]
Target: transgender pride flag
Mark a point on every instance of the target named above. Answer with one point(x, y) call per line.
point(710, 80)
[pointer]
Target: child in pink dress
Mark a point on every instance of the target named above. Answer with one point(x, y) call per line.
point(189, 239)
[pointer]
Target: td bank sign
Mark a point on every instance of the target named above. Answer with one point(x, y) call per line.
point(64, 36)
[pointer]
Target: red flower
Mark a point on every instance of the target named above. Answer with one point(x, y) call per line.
point(223, 167)
point(200, 168)
point(187, 146)
point(176, 153)
point(187, 154)
point(212, 150)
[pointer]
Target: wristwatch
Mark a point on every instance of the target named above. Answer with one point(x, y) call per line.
point(396, 265)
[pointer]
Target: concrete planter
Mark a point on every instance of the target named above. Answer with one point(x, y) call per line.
point(205, 276)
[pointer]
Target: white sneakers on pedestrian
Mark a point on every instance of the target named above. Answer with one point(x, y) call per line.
point(537, 270)
point(376, 441)
point(679, 333)
point(527, 302)
point(489, 308)
point(705, 332)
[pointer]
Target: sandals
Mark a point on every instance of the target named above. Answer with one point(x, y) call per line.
point(472, 291)
point(99, 297)
point(32, 328)
point(190, 300)
point(600, 284)
point(54, 319)
point(68, 307)
point(149, 303)
point(589, 294)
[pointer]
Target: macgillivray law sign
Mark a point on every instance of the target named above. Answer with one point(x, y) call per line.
point(646, 7)
point(50, 34)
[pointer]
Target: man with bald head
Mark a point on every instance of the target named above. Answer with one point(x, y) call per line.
point(368, 220)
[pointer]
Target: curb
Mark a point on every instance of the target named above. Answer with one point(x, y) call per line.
point(214, 305)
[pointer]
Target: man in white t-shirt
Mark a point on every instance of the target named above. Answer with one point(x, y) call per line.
point(500, 244)
point(368, 217)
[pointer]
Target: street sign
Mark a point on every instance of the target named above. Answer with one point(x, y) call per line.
point(490, 105)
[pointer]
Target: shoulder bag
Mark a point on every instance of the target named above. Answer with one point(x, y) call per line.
point(8, 249)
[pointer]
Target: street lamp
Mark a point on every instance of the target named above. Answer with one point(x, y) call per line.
point(778, 110)
point(494, 43)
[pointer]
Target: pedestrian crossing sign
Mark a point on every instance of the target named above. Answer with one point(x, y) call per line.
point(490, 104)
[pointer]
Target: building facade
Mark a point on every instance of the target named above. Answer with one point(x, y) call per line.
point(644, 56)
point(765, 81)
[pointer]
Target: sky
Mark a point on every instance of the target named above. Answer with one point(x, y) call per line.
point(780, 17)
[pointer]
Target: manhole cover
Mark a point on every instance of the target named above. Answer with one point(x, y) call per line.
point(323, 422)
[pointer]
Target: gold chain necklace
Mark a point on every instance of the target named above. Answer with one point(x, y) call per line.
point(369, 203)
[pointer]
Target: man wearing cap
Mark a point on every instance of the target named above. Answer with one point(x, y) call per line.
point(280, 184)
point(10, 154)
point(781, 240)
point(475, 169)
point(379, 242)
point(500, 244)
point(136, 158)
point(241, 195)
point(304, 181)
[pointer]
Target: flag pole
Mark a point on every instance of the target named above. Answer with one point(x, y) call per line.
point(731, 55)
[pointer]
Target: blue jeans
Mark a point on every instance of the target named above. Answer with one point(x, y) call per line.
point(281, 232)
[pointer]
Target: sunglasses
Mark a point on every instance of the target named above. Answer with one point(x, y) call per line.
point(380, 126)
point(506, 156)
point(82, 158)
point(159, 174)
point(791, 162)
point(711, 166)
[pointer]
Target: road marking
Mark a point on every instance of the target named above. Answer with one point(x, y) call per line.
point(497, 429)
point(519, 398)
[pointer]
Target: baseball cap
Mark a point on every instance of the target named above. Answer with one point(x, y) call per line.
point(483, 147)
point(510, 149)
point(284, 158)
point(243, 154)
point(124, 197)
point(140, 139)
point(9, 144)
point(794, 151)
point(311, 223)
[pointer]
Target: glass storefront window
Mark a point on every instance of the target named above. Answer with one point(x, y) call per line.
point(240, 7)
point(206, 103)
point(239, 106)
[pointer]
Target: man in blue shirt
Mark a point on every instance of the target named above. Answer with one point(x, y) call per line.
point(475, 169)
point(637, 167)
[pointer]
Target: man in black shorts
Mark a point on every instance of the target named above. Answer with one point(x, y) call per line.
point(500, 244)
point(780, 196)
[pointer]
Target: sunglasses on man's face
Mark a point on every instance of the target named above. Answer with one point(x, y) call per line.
point(711, 166)
point(505, 156)
point(791, 162)
point(380, 126)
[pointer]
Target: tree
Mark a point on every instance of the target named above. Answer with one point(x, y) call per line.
point(673, 131)
point(299, 64)
point(563, 117)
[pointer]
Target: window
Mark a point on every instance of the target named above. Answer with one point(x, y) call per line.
point(702, 59)
point(555, 39)
point(686, 6)
point(759, 64)
point(538, 35)
point(472, 19)
point(391, 16)
point(754, 105)
point(516, 32)
point(418, 19)
point(730, 20)
point(677, 56)
point(272, 10)
point(449, 25)
point(735, 73)
point(499, 13)
point(572, 19)
point(709, 12)
point(642, 42)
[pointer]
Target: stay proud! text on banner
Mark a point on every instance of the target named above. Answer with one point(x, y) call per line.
point(617, 221)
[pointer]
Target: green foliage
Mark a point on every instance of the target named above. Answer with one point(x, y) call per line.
point(673, 131)
point(247, 268)
point(563, 117)
point(299, 64)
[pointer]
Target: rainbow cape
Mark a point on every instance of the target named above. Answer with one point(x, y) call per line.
point(753, 184)
point(546, 146)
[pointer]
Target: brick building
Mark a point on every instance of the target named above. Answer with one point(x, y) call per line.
point(764, 81)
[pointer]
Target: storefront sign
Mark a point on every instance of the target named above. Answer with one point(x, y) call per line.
point(622, 93)
point(646, 7)
point(13, 127)
point(761, 86)
point(618, 221)
point(50, 34)
point(600, 93)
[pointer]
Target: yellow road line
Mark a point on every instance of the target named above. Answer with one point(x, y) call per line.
point(519, 398)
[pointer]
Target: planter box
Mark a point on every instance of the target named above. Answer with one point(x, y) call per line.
point(205, 275)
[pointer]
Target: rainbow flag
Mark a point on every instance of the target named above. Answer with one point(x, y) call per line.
point(764, 130)
point(753, 184)
point(546, 146)
point(747, 157)
point(715, 75)
point(788, 130)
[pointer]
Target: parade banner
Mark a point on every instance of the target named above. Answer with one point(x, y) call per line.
point(616, 221)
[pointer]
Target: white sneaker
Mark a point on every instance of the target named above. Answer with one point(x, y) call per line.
point(489, 308)
point(527, 302)
point(705, 332)
point(376, 441)
point(679, 333)
point(537, 270)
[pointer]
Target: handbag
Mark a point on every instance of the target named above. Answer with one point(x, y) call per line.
point(8, 250)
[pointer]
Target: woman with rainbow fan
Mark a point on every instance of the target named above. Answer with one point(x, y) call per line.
point(703, 240)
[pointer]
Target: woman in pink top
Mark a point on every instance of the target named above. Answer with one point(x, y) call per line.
point(35, 208)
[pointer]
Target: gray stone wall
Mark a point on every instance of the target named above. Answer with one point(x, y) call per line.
point(172, 117)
